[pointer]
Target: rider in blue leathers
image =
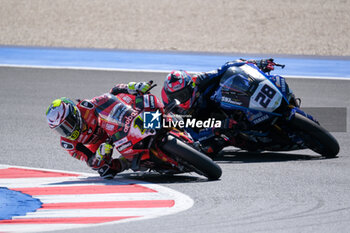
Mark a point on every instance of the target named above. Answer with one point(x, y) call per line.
point(194, 93)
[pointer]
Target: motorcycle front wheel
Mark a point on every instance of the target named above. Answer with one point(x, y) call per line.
point(315, 136)
point(196, 160)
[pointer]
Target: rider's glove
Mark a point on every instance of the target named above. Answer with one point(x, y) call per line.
point(103, 155)
point(140, 87)
point(266, 65)
point(106, 172)
point(105, 149)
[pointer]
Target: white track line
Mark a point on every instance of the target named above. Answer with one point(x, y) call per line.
point(105, 197)
point(81, 213)
point(147, 71)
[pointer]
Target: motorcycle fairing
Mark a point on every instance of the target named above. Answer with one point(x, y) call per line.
point(276, 80)
point(247, 89)
point(114, 114)
point(266, 97)
point(281, 84)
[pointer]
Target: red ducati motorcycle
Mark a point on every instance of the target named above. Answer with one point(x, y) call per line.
point(134, 125)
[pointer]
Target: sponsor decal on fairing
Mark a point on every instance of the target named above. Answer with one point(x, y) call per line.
point(123, 147)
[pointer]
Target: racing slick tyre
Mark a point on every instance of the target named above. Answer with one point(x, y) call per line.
point(315, 136)
point(192, 158)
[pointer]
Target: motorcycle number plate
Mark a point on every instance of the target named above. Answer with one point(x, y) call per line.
point(266, 97)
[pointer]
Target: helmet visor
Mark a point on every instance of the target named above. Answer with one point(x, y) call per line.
point(70, 124)
point(181, 95)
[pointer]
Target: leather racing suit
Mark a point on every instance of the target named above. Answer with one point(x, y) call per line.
point(202, 107)
point(93, 135)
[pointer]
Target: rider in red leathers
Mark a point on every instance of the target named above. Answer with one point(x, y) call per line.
point(82, 131)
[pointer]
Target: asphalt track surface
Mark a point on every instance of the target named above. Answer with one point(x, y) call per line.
point(270, 192)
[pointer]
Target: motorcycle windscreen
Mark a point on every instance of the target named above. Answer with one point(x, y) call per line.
point(115, 115)
point(234, 90)
point(245, 86)
point(237, 83)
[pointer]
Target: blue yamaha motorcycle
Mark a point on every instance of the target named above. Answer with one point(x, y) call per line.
point(268, 114)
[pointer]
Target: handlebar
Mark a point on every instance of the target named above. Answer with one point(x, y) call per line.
point(151, 86)
point(276, 64)
point(269, 61)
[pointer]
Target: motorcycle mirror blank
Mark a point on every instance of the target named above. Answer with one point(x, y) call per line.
point(172, 104)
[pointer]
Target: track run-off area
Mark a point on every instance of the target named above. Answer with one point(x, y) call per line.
point(268, 192)
point(55, 200)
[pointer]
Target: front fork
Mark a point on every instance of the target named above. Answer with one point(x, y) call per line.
point(293, 110)
point(289, 115)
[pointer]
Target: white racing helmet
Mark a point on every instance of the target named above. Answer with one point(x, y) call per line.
point(64, 116)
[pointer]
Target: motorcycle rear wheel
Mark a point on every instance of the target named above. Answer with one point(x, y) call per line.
point(197, 160)
point(315, 136)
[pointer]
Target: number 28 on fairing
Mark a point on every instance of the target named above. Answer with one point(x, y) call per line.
point(266, 97)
